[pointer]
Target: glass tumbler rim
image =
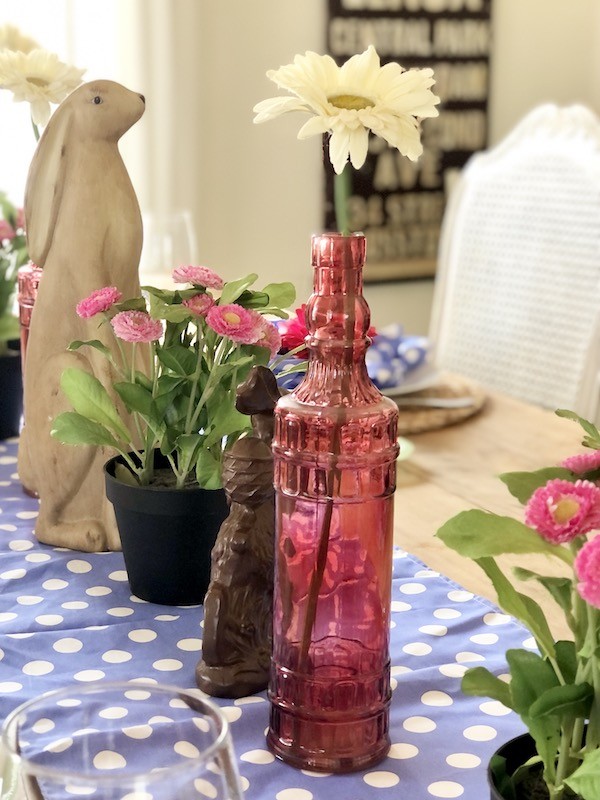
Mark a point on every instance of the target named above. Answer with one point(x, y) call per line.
point(32, 769)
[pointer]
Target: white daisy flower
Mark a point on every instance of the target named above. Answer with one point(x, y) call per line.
point(38, 78)
point(351, 100)
point(11, 38)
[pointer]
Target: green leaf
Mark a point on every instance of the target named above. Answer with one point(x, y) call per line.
point(172, 313)
point(71, 428)
point(251, 299)
point(233, 289)
point(523, 484)
point(573, 700)
point(558, 588)
point(187, 447)
point(95, 343)
point(501, 779)
point(520, 606)
point(178, 359)
point(531, 676)
point(477, 534)
point(136, 398)
point(208, 470)
point(585, 781)
point(135, 304)
point(281, 295)
point(90, 399)
point(593, 435)
point(566, 658)
point(480, 682)
point(9, 328)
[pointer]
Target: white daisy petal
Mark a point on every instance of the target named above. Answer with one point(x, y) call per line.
point(359, 145)
point(275, 106)
point(314, 126)
point(339, 146)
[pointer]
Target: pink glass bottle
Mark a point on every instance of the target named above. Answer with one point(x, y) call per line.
point(28, 279)
point(335, 450)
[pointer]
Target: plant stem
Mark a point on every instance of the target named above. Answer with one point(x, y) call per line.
point(341, 193)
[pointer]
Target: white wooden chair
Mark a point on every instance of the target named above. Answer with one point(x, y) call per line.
point(517, 295)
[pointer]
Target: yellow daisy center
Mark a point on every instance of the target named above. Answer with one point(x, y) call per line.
point(232, 318)
point(352, 102)
point(565, 510)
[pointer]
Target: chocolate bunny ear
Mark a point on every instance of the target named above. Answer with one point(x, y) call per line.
point(45, 184)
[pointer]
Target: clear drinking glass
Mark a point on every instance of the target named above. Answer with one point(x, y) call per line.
point(119, 741)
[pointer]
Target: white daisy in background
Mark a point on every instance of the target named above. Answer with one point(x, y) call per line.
point(38, 78)
point(351, 100)
point(11, 38)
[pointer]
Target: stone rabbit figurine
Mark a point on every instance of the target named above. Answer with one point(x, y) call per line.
point(84, 228)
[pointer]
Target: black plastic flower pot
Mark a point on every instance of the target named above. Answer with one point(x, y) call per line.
point(516, 752)
point(11, 392)
point(167, 535)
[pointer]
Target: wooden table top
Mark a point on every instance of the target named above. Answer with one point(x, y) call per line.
point(455, 468)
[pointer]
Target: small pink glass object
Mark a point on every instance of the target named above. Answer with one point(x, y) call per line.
point(335, 451)
point(28, 278)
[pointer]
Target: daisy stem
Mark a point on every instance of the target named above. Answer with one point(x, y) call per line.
point(36, 130)
point(342, 186)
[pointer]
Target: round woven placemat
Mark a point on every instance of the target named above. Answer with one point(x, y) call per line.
point(419, 419)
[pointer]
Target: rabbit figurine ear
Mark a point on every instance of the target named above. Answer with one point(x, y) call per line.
point(45, 184)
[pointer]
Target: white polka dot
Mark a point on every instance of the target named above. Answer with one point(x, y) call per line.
point(8, 527)
point(137, 694)
point(427, 573)
point(494, 708)
point(26, 514)
point(190, 645)
point(138, 731)
point(381, 779)
point(69, 702)
point(67, 645)
point(116, 656)
point(465, 657)
point(29, 600)
point(37, 558)
point(19, 635)
point(38, 668)
point(312, 774)
point(253, 698)
point(453, 670)
point(400, 669)
point(10, 686)
point(59, 745)
point(400, 605)
point(49, 619)
point(446, 613)
point(417, 649)
point(530, 643)
point(412, 588)
point(445, 789)
point(463, 760)
point(142, 635)
point(98, 591)
point(8, 459)
point(480, 733)
point(120, 612)
point(159, 718)
point(78, 566)
point(167, 664)
point(118, 575)
point(13, 574)
point(89, 675)
point(137, 795)
point(205, 788)
point(43, 725)
point(113, 712)
point(294, 794)
point(403, 750)
point(232, 713)
point(434, 630)
point(436, 698)
point(52, 584)
point(108, 759)
point(495, 618)
point(258, 757)
point(419, 725)
point(460, 596)
point(18, 545)
point(75, 605)
point(167, 617)
point(186, 749)
point(484, 638)
point(392, 624)
point(95, 627)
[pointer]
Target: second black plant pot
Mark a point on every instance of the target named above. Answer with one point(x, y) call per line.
point(167, 535)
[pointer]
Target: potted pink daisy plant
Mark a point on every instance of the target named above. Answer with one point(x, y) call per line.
point(556, 689)
point(181, 355)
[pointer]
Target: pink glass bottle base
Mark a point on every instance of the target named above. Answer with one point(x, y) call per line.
point(337, 719)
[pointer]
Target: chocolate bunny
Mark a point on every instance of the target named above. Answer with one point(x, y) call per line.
point(84, 228)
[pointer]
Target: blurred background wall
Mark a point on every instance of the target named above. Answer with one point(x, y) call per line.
point(255, 192)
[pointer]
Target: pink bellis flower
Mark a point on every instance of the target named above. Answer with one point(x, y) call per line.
point(562, 510)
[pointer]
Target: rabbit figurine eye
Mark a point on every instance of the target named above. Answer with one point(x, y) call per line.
point(97, 100)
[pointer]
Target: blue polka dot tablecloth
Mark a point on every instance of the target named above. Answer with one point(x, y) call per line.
point(68, 617)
